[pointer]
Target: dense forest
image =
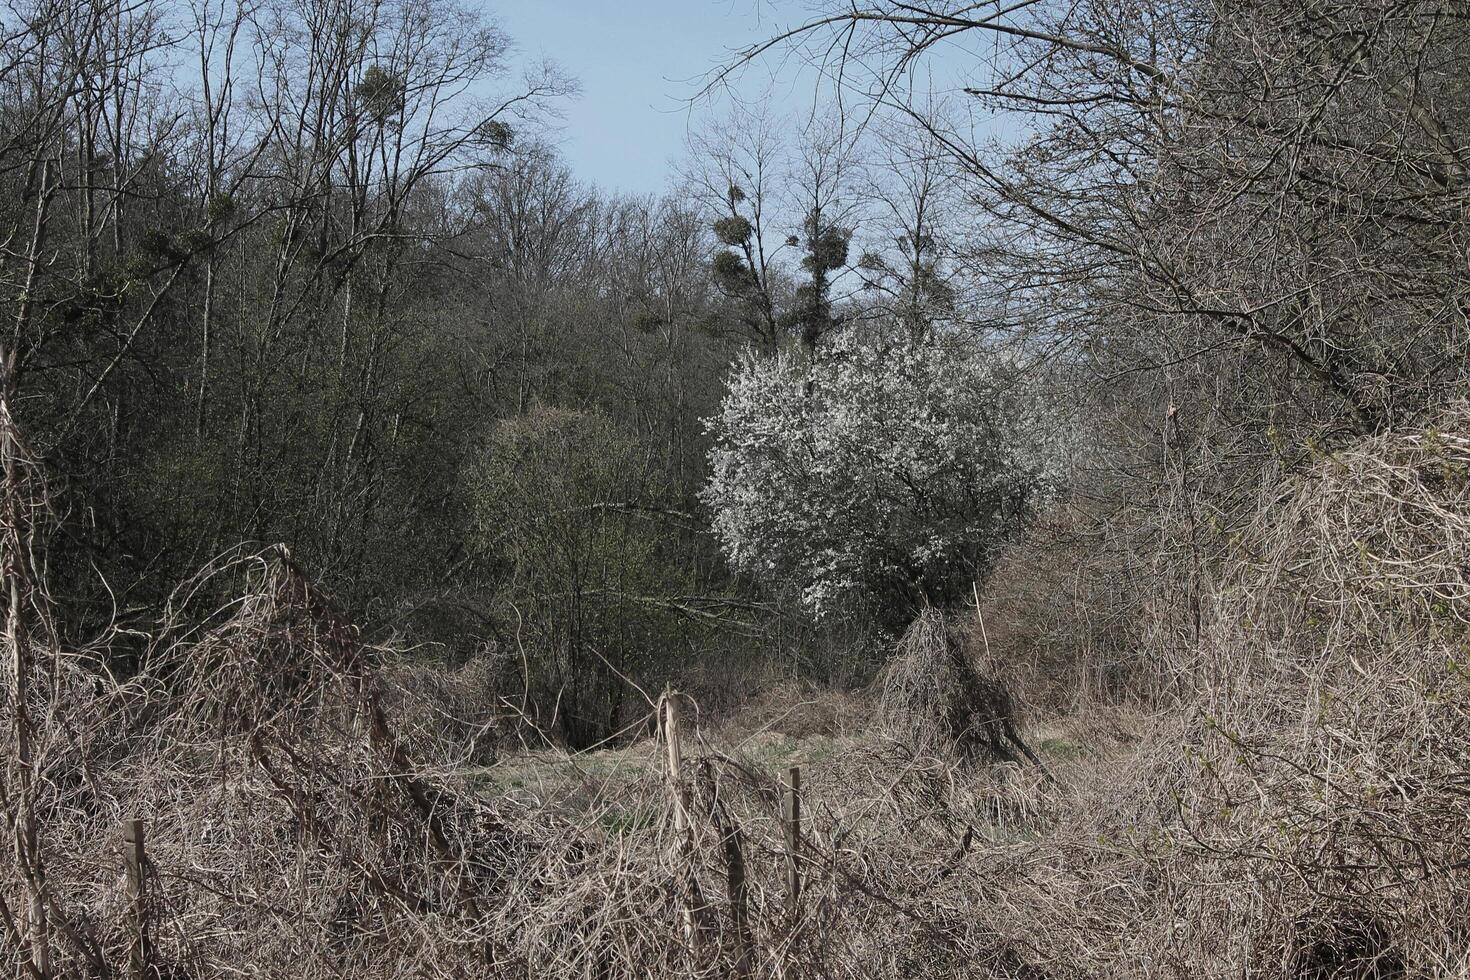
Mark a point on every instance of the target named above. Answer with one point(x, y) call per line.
point(1051, 424)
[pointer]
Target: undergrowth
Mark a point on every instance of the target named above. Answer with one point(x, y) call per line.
point(1298, 810)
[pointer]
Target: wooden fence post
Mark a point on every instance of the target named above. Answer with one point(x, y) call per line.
point(676, 759)
point(134, 861)
point(792, 819)
point(736, 887)
point(673, 736)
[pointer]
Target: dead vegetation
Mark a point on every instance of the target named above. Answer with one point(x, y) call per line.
point(294, 829)
point(1299, 811)
point(314, 811)
point(1330, 748)
point(932, 697)
point(298, 826)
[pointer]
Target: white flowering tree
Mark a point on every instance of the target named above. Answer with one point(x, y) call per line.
point(871, 477)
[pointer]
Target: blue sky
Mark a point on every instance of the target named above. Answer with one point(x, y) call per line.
point(638, 62)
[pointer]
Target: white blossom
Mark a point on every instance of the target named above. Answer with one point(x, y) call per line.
point(872, 473)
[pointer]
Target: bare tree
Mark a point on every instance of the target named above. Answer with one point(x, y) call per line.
point(823, 194)
point(911, 262)
point(737, 168)
point(1173, 144)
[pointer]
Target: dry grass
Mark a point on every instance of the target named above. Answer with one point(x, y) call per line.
point(301, 825)
point(1301, 812)
point(315, 812)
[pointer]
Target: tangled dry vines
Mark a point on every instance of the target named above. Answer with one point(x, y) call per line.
point(1333, 691)
point(1300, 814)
point(297, 828)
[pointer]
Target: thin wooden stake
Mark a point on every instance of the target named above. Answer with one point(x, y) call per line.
point(134, 861)
point(980, 618)
point(792, 818)
point(676, 759)
point(735, 883)
point(681, 813)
